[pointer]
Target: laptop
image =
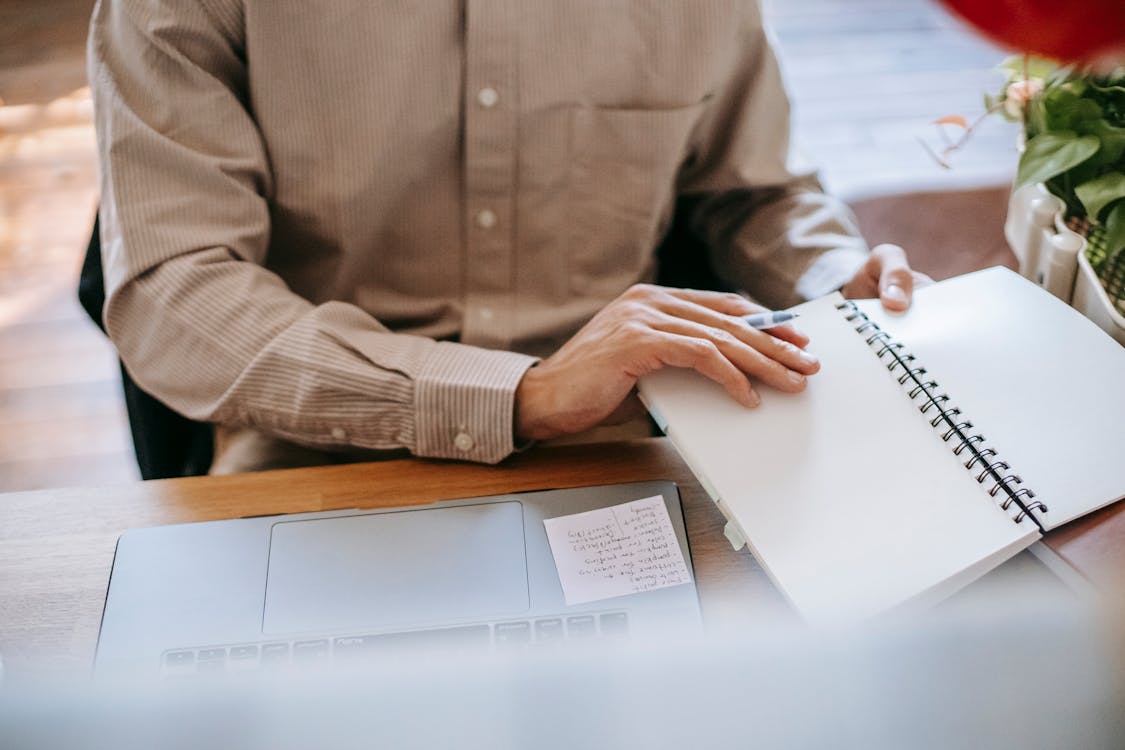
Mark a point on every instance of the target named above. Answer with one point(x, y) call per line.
point(317, 588)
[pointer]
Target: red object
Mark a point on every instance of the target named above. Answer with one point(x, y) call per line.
point(1064, 30)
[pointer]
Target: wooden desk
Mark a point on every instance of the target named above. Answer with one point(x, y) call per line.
point(56, 546)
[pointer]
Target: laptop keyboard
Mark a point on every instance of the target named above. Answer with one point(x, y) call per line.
point(253, 657)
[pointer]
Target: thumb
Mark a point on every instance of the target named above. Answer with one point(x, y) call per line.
point(896, 282)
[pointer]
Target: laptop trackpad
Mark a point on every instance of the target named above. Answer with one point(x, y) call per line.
point(397, 569)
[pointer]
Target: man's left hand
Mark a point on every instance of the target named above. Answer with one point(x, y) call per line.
point(886, 275)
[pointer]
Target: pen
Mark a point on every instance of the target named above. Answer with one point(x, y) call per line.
point(769, 319)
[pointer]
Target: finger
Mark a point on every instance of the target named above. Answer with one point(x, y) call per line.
point(896, 281)
point(782, 366)
point(683, 307)
point(705, 358)
point(683, 303)
point(727, 303)
point(788, 333)
point(865, 283)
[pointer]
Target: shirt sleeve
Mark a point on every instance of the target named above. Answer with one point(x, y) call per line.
point(772, 230)
point(198, 320)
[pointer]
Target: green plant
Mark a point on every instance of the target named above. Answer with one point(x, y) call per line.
point(1074, 125)
point(1074, 143)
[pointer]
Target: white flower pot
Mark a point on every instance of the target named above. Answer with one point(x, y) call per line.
point(1054, 257)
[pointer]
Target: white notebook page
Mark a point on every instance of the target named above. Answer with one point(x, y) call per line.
point(844, 493)
point(1040, 382)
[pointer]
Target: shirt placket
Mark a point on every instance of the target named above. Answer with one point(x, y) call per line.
point(490, 112)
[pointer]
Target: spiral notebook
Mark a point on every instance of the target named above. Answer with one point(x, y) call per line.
point(931, 447)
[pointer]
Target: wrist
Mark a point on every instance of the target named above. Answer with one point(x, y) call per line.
point(532, 411)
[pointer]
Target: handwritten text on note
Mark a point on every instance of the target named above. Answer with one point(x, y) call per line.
point(624, 549)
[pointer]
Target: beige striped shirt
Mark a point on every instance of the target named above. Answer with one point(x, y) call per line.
point(355, 224)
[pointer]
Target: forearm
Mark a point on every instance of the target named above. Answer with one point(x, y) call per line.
point(783, 245)
point(771, 229)
point(223, 340)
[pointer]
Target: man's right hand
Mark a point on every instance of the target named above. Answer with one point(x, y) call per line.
point(590, 380)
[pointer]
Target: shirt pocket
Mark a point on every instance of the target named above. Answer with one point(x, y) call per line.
point(622, 189)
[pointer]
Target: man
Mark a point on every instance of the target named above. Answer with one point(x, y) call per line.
point(352, 225)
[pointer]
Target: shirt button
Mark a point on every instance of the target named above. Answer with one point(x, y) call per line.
point(464, 442)
point(488, 97)
point(486, 219)
point(339, 433)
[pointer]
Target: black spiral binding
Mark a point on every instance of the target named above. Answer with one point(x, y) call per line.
point(948, 419)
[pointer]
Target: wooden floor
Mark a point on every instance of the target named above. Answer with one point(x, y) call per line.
point(62, 421)
point(868, 76)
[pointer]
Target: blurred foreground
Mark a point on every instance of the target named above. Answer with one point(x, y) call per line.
point(1033, 677)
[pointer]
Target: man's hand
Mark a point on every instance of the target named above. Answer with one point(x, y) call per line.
point(886, 275)
point(590, 379)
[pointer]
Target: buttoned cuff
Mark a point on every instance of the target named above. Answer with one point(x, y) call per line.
point(464, 401)
point(830, 272)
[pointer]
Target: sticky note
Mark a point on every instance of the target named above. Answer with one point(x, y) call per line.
point(615, 551)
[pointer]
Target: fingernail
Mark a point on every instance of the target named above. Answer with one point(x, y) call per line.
point(796, 378)
point(808, 359)
point(754, 398)
point(895, 293)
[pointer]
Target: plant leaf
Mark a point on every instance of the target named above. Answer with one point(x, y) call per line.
point(1066, 110)
point(1050, 154)
point(1112, 139)
point(1100, 192)
point(1111, 87)
point(1115, 228)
